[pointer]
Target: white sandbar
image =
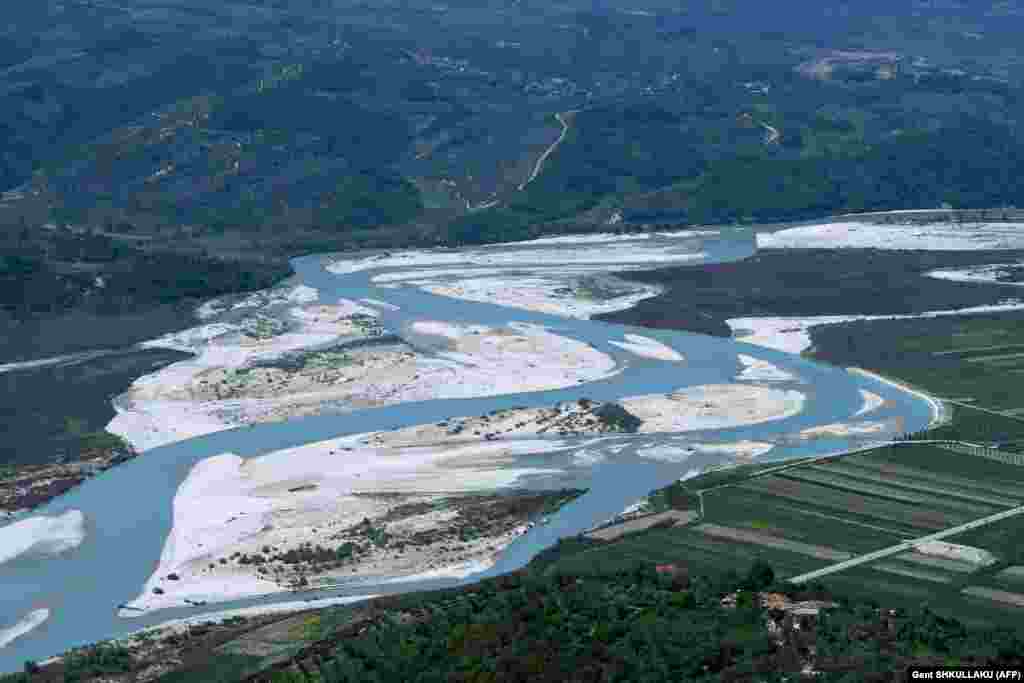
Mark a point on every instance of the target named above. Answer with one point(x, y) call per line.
point(713, 406)
point(639, 254)
point(983, 273)
point(872, 402)
point(29, 622)
point(842, 429)
point(42, 534)
point(940, 413)
point(861, 235)
point(645, 347)
point(181, 625)
point(792, 334)
point(302, 494)
point(552, 294)
point(757, 370)
point(208, 393)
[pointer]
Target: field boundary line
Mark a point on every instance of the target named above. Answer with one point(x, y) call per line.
point(843, 454)
point(984, 410)
point(905, 546)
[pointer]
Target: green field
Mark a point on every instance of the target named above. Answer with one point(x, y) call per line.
point(972, 360)
point(815, 514)
point(810, 516)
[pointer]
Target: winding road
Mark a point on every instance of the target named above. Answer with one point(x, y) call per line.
point(539, 166)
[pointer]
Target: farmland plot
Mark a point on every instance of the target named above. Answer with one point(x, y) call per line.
point(769, 514)
point(974, 352)
point(869, 584)
point(966, 485)
point(907, 483)
point(810, 516)
point(911, 572)
point(939, 461)
point(887, 512)
point(979, 357)
point(682, 546)
point(966, 510)
point(1006, 360)
point(1015, 599)
point(1013, 574)
point(900, 590)
point(769, 541)
point(1002, 539)
point(729, 554)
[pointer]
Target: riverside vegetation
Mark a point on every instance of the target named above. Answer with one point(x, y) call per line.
point(664, 604)
point(639, 624)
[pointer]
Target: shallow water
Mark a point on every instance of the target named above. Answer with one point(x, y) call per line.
point(128, 509)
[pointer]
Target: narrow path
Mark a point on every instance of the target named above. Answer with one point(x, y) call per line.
point(970, 349)
point(67, 359)
point(905, 546)
point(836, 456)
point(482, 205)
point(984, 410)
point(554, 145)
point(799, 463)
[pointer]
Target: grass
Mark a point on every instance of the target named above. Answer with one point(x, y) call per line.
point(933, 460)
point(959, 487)
point(855, 509)
point(973, 357)
point(262, 327)
point(329, 360)
point(742, 508)
point(223, 667)
point(1002, 538)
point(682, 546)
point(683, 495)
point(850, 505)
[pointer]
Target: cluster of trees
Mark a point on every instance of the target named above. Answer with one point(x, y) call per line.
point(617, 418)
point(840, 281)
point(802, 149)
point(644, 625)
point(636, 626)
point(84, 664)
point(51, 272)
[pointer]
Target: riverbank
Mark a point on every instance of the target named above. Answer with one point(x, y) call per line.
point(940, 413)
point(26, 487)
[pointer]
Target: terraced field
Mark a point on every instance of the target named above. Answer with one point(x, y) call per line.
point(812, 516)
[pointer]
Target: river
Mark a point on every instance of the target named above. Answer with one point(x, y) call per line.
point(128, 508)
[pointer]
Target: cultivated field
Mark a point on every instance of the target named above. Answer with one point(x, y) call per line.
point(975, 362)
point(813, 515)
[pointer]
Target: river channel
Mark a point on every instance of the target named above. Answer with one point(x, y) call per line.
point(128, 509)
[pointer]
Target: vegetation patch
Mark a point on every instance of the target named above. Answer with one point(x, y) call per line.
point(815, 282)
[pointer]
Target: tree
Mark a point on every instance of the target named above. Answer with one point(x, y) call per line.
point(760, 576)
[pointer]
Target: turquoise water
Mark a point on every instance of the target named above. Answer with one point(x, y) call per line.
point(128, 509)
